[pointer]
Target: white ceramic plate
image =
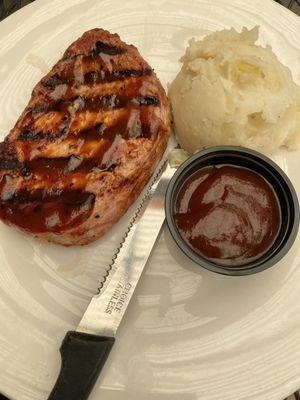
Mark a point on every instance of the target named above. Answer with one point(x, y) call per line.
point(189, 334)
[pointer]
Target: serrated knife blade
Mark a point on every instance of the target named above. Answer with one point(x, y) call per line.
point(84, 351)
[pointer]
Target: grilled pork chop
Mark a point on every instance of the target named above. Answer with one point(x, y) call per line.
point(86, 144)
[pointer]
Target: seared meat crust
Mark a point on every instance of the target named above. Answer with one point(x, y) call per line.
point(86, 144)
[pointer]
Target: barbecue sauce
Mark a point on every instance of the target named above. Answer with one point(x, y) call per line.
point(229, 215)
point(40, 212)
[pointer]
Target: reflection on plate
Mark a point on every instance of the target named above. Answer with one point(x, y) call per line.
point(188, 334)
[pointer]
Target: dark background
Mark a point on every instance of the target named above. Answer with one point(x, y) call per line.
point(9, 6)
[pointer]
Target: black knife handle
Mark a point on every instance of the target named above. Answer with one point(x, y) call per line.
point(82, 358)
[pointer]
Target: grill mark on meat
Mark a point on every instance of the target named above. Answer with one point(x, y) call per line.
point(96, 103)
point(58, 131)
point(47, 211)
point(118, 75)
point(102, 47)
point(91, 90)
point(32, 135)
point(94, 77)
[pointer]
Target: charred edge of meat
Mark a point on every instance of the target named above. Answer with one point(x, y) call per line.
point(6, 164)
point(8, 157)
point(100, 47)
point(38, 109)
point(52, 81)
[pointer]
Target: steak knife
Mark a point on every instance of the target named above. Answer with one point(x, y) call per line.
point(84, 351)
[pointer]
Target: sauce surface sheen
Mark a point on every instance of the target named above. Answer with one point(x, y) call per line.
point(229, 215)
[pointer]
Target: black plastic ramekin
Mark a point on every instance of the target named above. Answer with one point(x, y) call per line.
point(242, 157)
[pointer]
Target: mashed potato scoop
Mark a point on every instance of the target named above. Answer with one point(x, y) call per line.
point(231, 91)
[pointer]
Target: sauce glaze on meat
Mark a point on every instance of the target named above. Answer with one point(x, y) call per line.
point(86, 144)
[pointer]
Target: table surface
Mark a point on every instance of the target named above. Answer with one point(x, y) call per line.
point(7, 7)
